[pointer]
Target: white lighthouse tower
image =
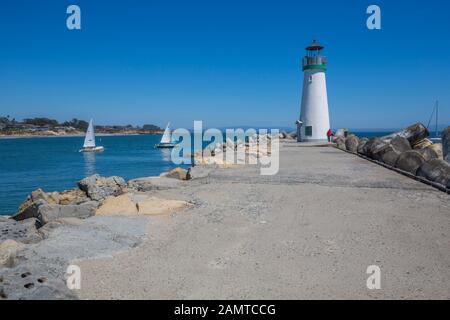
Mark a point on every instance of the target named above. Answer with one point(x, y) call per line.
point(314, 118)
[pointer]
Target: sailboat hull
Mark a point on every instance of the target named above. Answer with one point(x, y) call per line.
point(165, 145)
point(93, 149)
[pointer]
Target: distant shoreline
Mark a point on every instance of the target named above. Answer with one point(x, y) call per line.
point(25, 136)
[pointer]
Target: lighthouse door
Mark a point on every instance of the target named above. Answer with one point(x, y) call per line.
point(308, 131)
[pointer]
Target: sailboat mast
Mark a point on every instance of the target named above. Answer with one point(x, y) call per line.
point(437, 115)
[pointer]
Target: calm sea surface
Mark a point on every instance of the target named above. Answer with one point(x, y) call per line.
point(54, 163)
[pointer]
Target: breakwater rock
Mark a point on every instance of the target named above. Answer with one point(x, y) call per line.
point(408, 150)
point(446, 144)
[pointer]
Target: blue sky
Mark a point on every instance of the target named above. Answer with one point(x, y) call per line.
point(225, 62)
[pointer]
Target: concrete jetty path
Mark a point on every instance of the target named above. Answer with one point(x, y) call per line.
point(308, 232)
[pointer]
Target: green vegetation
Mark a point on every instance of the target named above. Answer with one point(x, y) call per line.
point(150, 127)
point(77, 124)
point(45, 126)
point(41, 122)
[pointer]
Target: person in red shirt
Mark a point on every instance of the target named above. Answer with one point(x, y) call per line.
point(329, 135)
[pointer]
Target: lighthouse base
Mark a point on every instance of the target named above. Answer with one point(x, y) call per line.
point(312, 140)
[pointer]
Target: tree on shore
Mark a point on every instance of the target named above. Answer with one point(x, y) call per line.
point(41, 122)
point(150, 127)
point(77, 124)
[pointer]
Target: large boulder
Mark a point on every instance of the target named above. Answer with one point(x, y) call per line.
point(437, 147)
point(34, 199)
point(388, 152)
point(422, 144)
point(400, 144)
point(99, 188)
point(367, 147)
point(428, 153)
point(351, 143)
point(376, 148)
point(361, 144)
point(51, 212)
point(390, 157)
point(343, 133)
point(435, 170)
point(29, 210)
point(394, 146)
point(340, 143)
point(413, 134)
point(154, 183)
point(410, 161)
point(446, 144)
point(177, 173)
point(74, 196)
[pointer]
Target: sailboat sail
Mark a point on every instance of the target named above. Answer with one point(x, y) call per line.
point(89, 140)
point(167, 136)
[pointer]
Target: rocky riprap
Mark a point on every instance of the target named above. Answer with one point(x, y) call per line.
point(32, 269)
point(408, 150)
point(40, 213)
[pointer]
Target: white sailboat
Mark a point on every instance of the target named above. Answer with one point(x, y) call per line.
point(436, 138)
point(166, 140)
point(89, 140)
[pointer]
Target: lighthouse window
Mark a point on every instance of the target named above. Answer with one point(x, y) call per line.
point(308, 131)
point(310, 79)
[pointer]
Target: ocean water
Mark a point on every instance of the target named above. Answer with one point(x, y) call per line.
point(54, 163)
point(370, 134)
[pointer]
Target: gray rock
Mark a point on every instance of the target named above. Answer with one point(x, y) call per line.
point(154, 183)
point(410, 161)
point(446, 144)
point(435, 170)
point(428, 153)
point(343, 133)
point(177, 173)
point(400, 144)
point(390, 157)
point(51, 212)
point(340, 143)
point(366, 148)
point(422, 144)
point(351, 143)
point(21, 231)
point(379, 148)
point(386, 151)
point(375, 148)
point(361, 144)
point(413, 134)
point(29, 211)
point(99, 188)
